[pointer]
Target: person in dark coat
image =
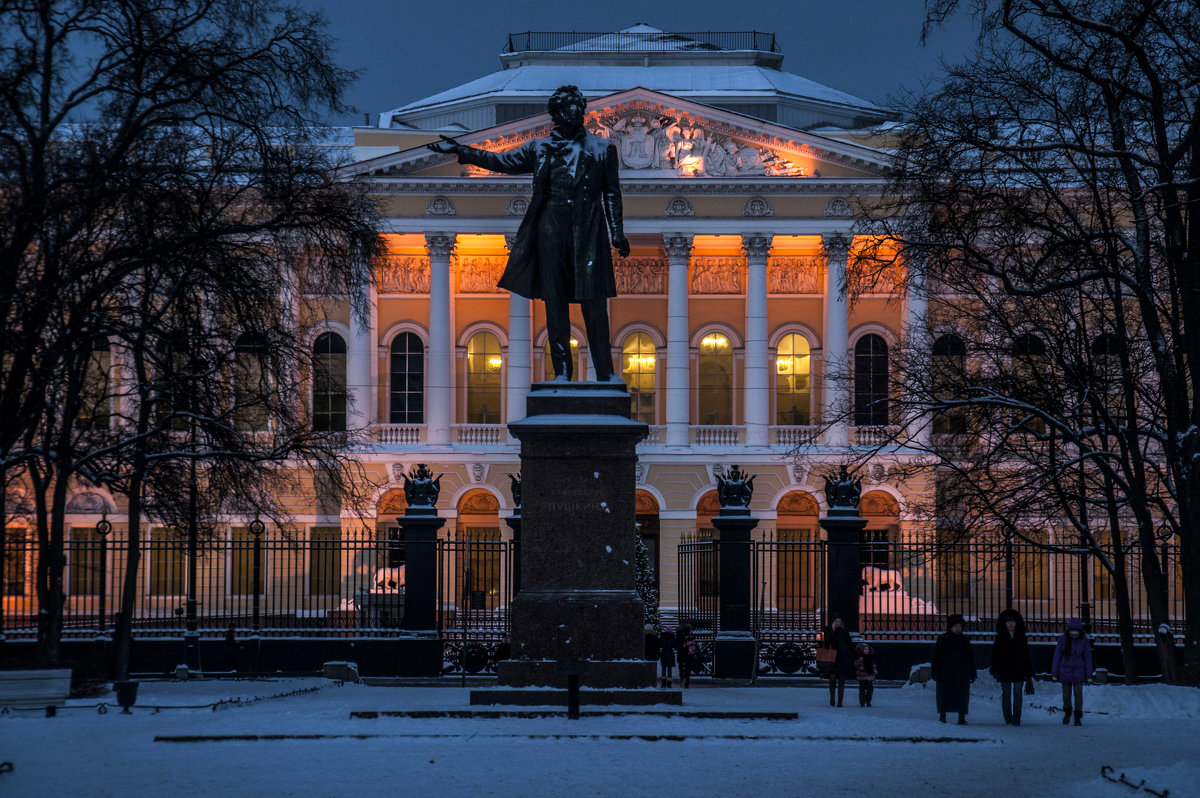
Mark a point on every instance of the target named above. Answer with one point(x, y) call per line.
point(666, 655)
point(562, 251)
point(953, 670)
point(1011, 665)
point(1072, 666)
point(837, 638)
point(866, 671)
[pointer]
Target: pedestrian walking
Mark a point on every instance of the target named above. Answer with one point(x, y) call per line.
point(866, 670)
point(837, 639)
point(953, 670)
point(1011, 665)
point(1072, 666)
point(666, 655)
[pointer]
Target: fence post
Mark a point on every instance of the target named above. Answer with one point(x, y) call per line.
point(256, 531)
point(735, 646)
point(102, 529)
point(843, 525)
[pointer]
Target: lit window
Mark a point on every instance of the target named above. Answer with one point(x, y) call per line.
point(484, 369)
point(638, 361)
point(714, 397)
point(793, 405)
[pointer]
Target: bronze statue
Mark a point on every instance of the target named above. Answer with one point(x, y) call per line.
point(843, 492)
point(735, 490)
point(562, 251)
point(420, 488)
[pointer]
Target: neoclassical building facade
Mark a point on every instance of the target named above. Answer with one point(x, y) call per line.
point(731, 329)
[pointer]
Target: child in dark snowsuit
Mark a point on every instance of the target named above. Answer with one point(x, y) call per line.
point(866, 671)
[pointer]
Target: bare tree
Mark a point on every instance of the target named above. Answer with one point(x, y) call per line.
point(1048, 184)
point(157, 156)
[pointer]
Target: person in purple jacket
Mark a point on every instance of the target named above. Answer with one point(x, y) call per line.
point(1072, 667)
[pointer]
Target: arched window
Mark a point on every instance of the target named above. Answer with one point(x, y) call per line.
point(406, 404)
point(1028, 386)
point(871, 382)
point(251, 386)
point(949, 378)
point(1106, 372)
point(95, 403)
point(548, 363)
point(329, 383)
point(484, 368)
point(638, 363)
point(793, 392)
point(714, 395)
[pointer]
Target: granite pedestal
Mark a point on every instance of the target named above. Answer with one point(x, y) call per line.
point(577, 600)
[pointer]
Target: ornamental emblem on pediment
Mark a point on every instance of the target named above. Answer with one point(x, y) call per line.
point(684, 146)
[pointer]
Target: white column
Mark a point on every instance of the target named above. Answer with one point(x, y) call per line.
point(361, 351)
point(757, 247)
point(679, 251)
point(439, 393)
point(520, 370)
point(835, 390)
point(918, 342)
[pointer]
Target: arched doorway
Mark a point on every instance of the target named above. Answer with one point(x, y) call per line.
point(797, 562)
point(881, 578)
point(477, 552)
point(646, 510)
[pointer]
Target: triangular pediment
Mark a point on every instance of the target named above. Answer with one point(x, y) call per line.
point(662, 136)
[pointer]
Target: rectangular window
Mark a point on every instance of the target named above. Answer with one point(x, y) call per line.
point(241, 563)
point(83, 562)
point(953, 569)
point(325, 561)
point(16, 558)
point(1031, 571)
point(167, 558)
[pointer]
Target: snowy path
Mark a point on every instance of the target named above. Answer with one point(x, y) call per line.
point(1150, 733)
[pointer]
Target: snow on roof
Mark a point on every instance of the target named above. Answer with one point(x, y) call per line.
point(537, 81)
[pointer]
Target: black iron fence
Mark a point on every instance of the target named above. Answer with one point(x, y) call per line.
point(908, 590)
point(335, 583)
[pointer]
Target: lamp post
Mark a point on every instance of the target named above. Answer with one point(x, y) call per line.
point(257, 527)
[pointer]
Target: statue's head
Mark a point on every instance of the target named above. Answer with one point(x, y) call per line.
point(566, 107)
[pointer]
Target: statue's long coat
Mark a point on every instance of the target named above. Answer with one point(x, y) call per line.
point(597, 195)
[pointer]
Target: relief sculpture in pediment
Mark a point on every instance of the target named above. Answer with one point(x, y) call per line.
point(646, 140)
point(404, 274)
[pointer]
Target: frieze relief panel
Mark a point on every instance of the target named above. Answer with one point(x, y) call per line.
point(716, 276)
point(404, 274)
point(794, 275)
point(640, 275)
point(479, 275)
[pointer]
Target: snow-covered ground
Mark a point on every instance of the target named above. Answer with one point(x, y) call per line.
point(307, 744)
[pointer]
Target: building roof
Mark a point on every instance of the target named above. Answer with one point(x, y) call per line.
point(711, 67)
